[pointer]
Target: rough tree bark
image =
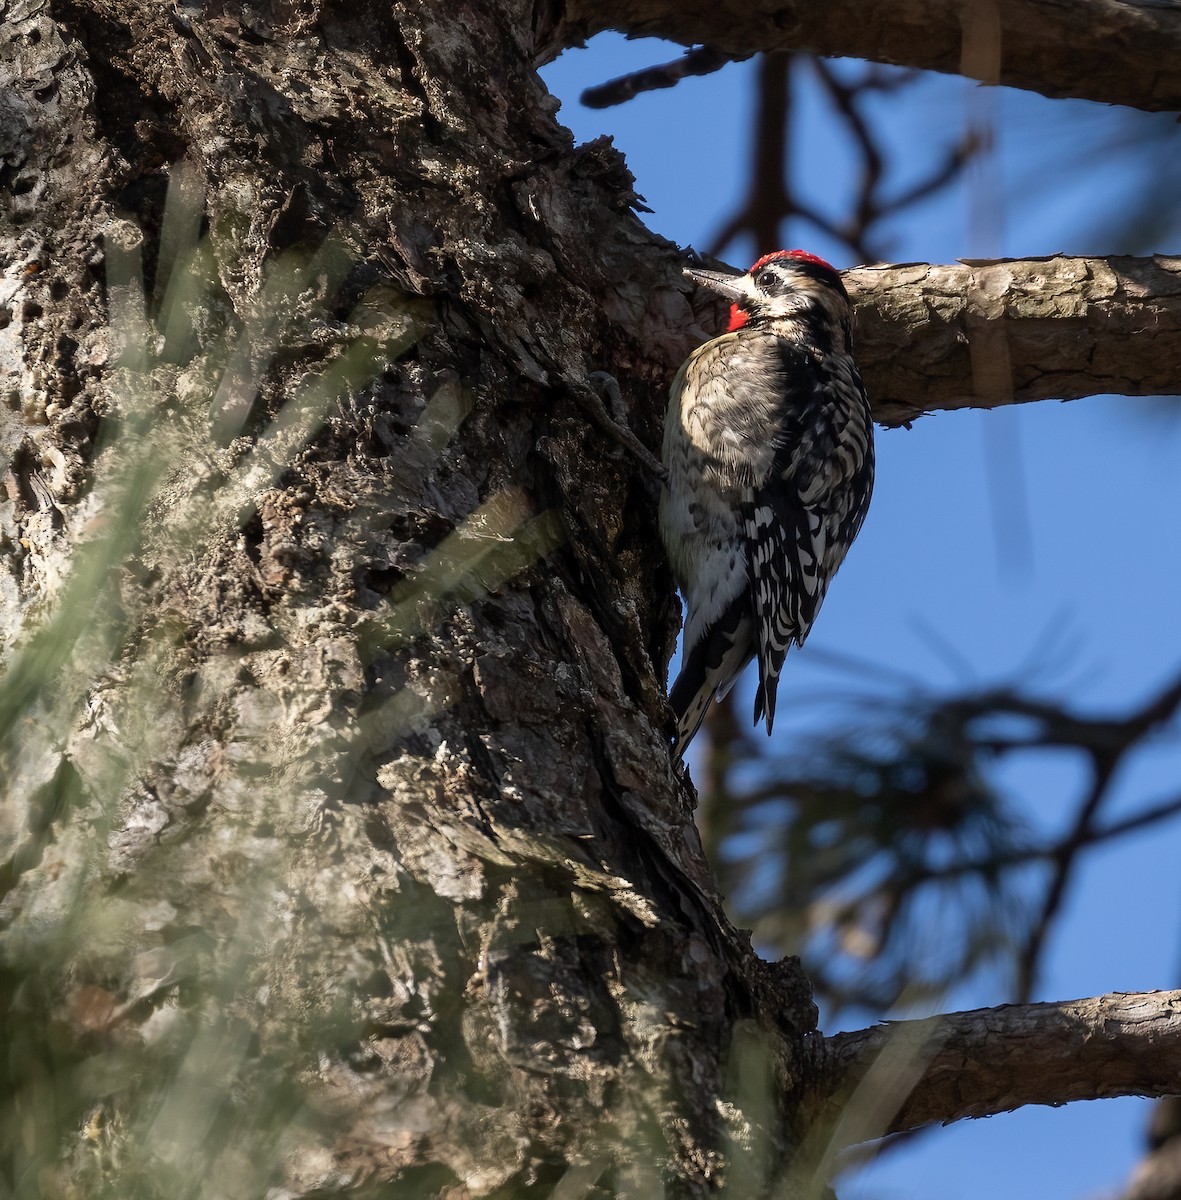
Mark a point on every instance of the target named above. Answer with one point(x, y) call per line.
point(341, 842)
point(405, 791)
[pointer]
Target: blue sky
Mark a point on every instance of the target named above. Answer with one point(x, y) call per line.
point(1091, 489)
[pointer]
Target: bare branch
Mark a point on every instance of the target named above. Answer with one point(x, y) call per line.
point(1106, 756)
point(944, 174)
point(1116, 51)
point(699, 61)
point(1158, 1175)
point(844, 99)
point(991, 1060)
point(769, 201)
point(772, 202)
point(865, 833)
point(1164, 810)
point(983, 334)
point(1065, 858)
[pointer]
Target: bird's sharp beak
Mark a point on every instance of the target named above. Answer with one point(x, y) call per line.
point(728, 286)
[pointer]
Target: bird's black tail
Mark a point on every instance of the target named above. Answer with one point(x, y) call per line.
point(710, 667)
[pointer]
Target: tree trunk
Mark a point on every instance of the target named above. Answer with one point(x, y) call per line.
point(342, 841)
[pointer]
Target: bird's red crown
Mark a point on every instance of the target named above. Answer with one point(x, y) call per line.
point(798, 255)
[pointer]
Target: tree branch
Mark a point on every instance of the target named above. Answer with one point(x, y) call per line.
point(992, 1060)
point(698, 61)
point(979, 335)
point(1116, 51)
point(1106, 754)
point(1164, 810)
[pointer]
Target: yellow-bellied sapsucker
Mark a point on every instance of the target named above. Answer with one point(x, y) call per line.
point(768, 446)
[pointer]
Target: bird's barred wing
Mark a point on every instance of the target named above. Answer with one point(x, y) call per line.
point(785, 555)
point(803, 514)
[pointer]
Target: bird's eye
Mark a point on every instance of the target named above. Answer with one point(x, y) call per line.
point(766, 279)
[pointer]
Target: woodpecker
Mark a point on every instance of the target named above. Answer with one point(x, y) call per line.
point(768, 449)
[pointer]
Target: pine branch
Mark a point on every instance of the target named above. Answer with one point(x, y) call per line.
point(1115, 51)
point(905, 1074)
point(983, 334)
